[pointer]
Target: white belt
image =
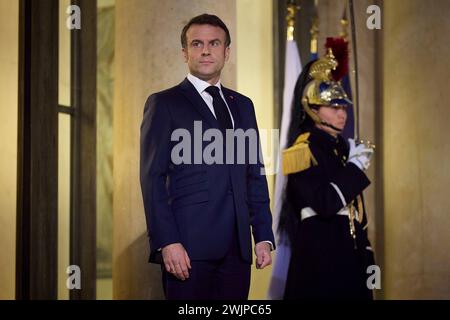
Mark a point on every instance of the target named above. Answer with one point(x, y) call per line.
point(309, 212)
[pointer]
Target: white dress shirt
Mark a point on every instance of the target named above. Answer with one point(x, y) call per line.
point(200, 86)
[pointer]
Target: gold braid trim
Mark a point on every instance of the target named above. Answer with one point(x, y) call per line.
point(298, 157)
point(360, 209)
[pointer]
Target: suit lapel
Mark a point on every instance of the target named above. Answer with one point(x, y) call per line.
point(232, 104)
point(197, 101)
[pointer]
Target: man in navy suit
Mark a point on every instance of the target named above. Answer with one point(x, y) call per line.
point(201, 211)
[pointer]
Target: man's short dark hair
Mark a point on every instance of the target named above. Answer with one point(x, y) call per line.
point(205, 18)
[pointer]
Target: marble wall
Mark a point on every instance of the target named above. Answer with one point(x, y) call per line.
point(416, 56)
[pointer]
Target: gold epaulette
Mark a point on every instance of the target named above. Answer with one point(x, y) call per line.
point(298, 157)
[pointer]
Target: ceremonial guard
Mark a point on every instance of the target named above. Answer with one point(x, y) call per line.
point(323, 211)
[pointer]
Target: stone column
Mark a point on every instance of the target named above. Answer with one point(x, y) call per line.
point(254, 42)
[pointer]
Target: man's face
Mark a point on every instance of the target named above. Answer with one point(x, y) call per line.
point(336, 116)
point(205, 52)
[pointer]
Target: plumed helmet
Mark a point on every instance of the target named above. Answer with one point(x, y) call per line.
point(319, 84)
point(323, 89)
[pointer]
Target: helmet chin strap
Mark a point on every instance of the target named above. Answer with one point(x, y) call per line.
point(315, 117)
point(330, 126)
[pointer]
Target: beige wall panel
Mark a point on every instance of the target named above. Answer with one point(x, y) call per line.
point(9, 46)
point(417, 149)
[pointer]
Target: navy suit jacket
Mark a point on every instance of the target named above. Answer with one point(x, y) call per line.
point(184, 202)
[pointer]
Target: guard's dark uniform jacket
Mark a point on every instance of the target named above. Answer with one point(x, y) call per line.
point(326, 261)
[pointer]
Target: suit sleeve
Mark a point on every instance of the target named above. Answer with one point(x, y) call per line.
point(326, 196)
point(258, 194)
point(154, 166)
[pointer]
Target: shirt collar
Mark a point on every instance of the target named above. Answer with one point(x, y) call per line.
point(201, 85)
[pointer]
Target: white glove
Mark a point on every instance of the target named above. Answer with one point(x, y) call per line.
point(359, 155)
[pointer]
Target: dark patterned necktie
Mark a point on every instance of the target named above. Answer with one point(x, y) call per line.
point(220, 108)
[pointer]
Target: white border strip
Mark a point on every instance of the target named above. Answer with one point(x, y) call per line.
point(344, 203)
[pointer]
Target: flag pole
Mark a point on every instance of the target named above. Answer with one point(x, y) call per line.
point(355, 71)
point(344, 24)
point(350, 130)
point(292, 9)
point(314, 31)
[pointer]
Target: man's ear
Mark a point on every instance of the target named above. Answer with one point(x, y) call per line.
point(227, 53)
point(185, 54)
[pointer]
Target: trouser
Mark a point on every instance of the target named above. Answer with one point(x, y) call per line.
point(224, 279)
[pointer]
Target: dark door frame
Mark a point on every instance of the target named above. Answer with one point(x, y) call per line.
point(37, 172)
